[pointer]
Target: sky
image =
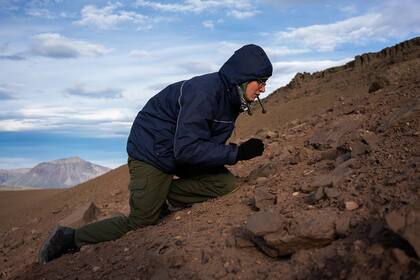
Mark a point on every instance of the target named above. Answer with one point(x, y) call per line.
point(74, 74)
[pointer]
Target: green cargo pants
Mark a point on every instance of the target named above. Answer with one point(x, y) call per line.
point(149, 188)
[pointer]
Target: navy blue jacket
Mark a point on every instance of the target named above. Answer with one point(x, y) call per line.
point(189, 122)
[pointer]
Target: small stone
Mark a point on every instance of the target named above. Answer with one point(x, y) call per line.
point(177, 218)
point(96, 268)
point(351, 205)
point(261, 180)
point(126, 249)
point(342, 226)
point(376, 249)
point(295, 193)
point(263, 198)
point(315, 196)
point(358, 245)
point(331, 192)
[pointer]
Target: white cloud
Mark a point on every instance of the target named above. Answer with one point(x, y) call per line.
point(109, 18)
point(196, 6)
point(208, 24)
point(7, 92)
point(198, 67)
point(81, 90)
point(41, 12)
point(283, 51)
point(139, 53)
point(82, 121)
point(350, 9)
point(242, 14)
point(16, 125)
point(306, 66)
point(57, 46)
point(394, 20)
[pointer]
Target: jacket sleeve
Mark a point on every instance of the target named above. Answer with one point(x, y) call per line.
point(192, 144)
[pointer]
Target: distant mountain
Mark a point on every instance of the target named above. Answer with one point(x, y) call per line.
point(60, 173)
point(11, 174)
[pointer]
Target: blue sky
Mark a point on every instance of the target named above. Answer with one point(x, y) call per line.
point(74, 74)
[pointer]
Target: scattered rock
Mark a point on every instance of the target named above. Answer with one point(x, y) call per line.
point(263, 222)
point(333, 137)
point(359, 148)
point(96, 268)
point(82, 215)
point(342, 226)
point(263, 198)
point(279, 236)
point(376, 250)
point(331, 192)
point(315, 196)
point(351, 205)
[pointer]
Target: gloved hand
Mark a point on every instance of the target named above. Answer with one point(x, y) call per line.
point(250, 149)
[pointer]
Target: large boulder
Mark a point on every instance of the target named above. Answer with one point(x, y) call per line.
point(282, 236)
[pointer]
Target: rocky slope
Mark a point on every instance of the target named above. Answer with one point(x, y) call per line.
point(57, 174)
point(335, 195)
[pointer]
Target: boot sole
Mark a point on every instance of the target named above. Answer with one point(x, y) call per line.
point(42, 255)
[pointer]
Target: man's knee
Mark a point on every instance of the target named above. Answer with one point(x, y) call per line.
point(227, 183)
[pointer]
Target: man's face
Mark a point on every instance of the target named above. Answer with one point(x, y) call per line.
point(253, 89)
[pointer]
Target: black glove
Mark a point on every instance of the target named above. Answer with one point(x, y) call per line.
point(250, 149)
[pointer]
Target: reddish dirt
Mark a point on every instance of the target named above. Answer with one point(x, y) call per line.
point(335, 195)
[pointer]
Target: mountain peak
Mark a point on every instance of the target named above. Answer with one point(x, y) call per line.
point(68, 160)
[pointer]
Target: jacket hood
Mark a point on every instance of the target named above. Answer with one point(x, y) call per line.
point(248, 63)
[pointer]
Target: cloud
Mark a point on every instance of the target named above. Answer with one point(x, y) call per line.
point(198, 67)
point(139, 53)
point(195, 6)
point(41, 12)
point(57, 46)
point(208, 24)
point(12, 57)
point(350, 9)
point(16, 125)
point(108, 18)
point(69, 120)
point(6, 93)
point(377, 26)
point(106, 93)
point(242, 14)
point(306, 66)
point(284, 51)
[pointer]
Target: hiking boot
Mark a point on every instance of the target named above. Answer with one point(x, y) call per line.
point(58, 243)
